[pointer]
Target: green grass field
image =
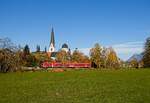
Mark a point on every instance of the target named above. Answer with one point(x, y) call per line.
point(82, 86)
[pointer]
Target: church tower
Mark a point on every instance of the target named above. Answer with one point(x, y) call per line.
point(52, 42)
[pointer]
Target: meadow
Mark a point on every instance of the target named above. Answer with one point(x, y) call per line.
point(76, 86)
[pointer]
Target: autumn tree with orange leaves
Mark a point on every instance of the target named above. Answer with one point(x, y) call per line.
point(63, 56)
point(112, 59)
point(79, 57)
point(96, 56)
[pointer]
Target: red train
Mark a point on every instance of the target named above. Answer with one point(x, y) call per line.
point(66, 65)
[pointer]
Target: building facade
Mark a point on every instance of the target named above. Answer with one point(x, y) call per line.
point(52, 50)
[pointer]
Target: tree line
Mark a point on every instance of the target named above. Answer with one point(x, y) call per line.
point(104, 57)
point(13, 58)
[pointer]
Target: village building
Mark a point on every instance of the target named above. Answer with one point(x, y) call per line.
point(52, 49)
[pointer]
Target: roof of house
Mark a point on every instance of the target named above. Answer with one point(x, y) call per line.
point(53, 54)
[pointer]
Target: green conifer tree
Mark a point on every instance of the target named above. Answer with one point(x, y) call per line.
point(26, 50)
point(146, 57)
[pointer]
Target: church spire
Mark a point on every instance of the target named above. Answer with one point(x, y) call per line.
point(52, 42)
point(52, 37)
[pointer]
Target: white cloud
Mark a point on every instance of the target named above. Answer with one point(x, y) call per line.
point(123, 50)
point(129, 47)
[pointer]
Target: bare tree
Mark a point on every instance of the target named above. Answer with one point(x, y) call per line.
point(9, 58)
point(6, 43)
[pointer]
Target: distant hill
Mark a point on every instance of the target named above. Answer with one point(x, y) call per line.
point(138, 57)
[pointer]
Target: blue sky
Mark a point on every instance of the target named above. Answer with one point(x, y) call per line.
point(122, 24)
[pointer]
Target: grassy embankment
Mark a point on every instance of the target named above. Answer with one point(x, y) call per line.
point(82, 86)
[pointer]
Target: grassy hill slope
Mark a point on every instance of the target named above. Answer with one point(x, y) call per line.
point(83, 86)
